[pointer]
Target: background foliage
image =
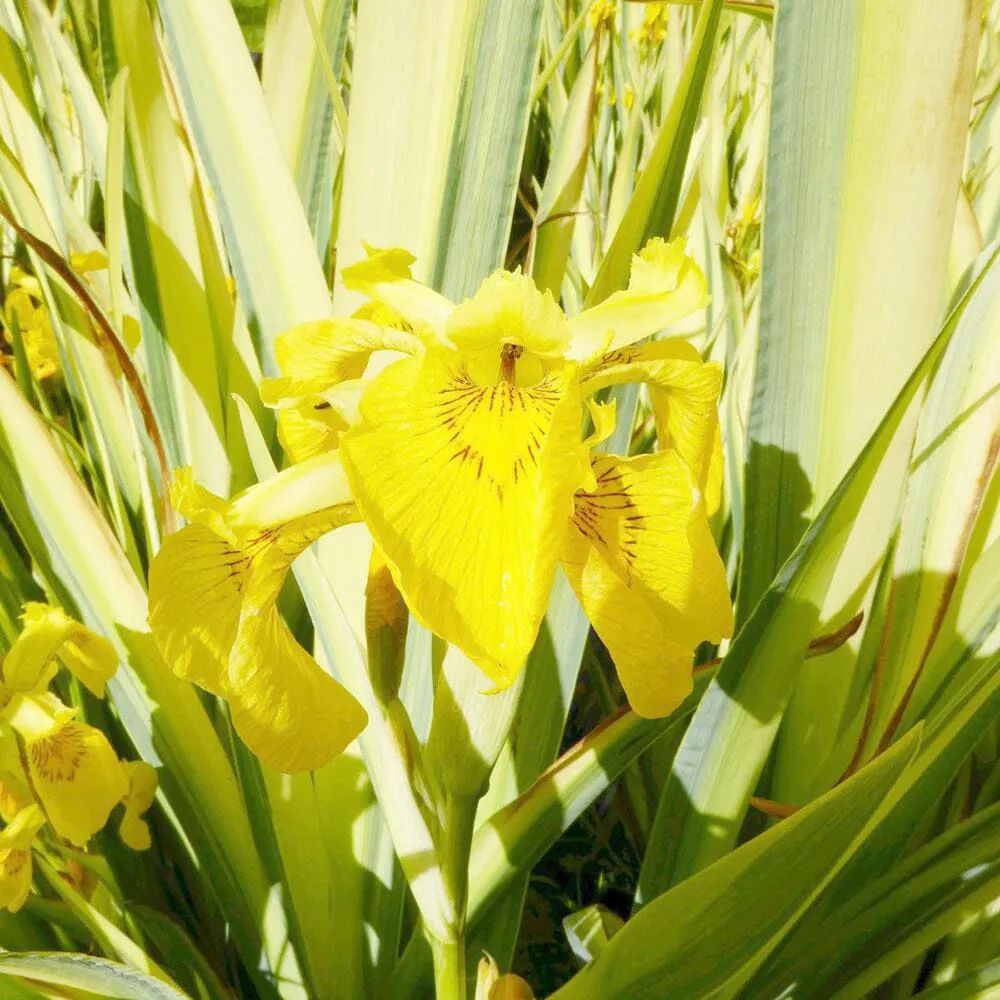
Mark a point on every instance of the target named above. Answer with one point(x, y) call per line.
point(181, 182)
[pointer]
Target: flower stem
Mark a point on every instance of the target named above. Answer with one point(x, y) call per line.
point(449, 968)
point(458, 820)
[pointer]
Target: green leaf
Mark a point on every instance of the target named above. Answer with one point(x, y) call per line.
point(184, 345)
point(954, 455)
point(396, 166)
point(979, 984)
point(180, 955)
point(654, 204)
point(724, 921)
point(888, 921)
point(96, 975)
point(488, 146)
point(298, 96)
point(280, 280)
point(589, 930)
point(252, 18)
point(555, 216)
point(854, 278)
point(723, 753)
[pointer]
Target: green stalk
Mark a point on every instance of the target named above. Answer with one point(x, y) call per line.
point(455, 848)
point(449, 968)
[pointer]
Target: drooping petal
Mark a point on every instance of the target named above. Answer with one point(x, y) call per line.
point(467, 489)
point(15, 857)
point(385, 277)
point(197, 580)
point(286, 708)
point(77, 777)
point(315, 356)
point(684, 393)
point(142, 782)
point(213, 590)
point(508, 308)
point(642, 560)
point(195, 588)
point(665, 285)
point(49, 632)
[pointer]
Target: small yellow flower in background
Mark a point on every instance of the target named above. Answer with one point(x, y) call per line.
point(467, 462)
point(90, 260)
point(25, 309)
point(54, 768)
point(649, 37)
point(602, 14)
point(213, 589)
point(133, 829)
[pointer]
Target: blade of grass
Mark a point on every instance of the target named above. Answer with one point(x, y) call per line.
point(277, 271)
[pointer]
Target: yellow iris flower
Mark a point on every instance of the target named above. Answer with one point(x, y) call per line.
point(24, 306)
point(455, 433)
point(133, 829)
point(467, 461)
point(71, 767)
point(54, 768)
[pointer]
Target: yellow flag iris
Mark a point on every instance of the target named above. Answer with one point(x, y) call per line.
point(55, 768)
point(25, 309)
point(71, 767)
point(466, 458)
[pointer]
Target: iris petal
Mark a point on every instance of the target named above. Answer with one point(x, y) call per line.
point(385, 277)
point(684, 393)
point(142, 782)
point(508, 308)
point(665, 285)
point(315, 356)
point(49, 632)
point(78, 779)
point(213, 592)
point(15, 857)
point(467, 488)
point(642, 560)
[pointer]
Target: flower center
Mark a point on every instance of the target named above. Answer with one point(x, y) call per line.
point(509, 354)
